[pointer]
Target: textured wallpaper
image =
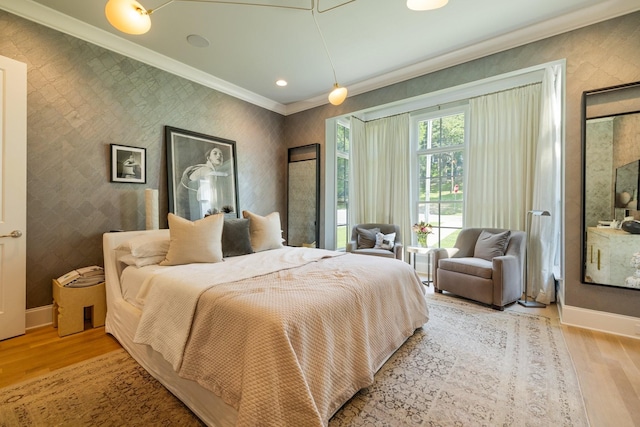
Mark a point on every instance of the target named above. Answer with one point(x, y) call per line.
point(81, 98)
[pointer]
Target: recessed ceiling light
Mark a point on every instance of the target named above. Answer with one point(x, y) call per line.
point(281, 82)
point(197, 40)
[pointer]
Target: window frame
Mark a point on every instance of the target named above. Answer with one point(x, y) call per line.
point(344, 155)
point(416, 153)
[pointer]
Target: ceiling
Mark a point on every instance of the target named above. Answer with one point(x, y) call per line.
point(372, 43)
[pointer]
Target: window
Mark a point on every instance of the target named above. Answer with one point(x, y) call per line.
point(439, 140)
point(342, 186)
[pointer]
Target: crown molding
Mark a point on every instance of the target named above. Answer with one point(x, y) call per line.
point(549, 28)
point(43, 15)
point(48, 17)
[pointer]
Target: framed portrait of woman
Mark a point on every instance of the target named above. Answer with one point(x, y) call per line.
point(128, 164)
point(202, 174)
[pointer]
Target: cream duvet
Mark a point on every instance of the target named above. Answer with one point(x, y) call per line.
point(285, 336)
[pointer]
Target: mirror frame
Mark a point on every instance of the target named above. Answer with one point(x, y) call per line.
point(627, 104)
point(301, 154)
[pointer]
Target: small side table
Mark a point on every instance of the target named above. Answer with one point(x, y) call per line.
point(69, 305)
point(415, 250)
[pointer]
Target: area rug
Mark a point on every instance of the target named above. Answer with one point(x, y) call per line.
point(468, 366)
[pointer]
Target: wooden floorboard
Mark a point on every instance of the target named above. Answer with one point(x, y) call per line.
point(40, 351)
point(608, 374)
point(608, 366)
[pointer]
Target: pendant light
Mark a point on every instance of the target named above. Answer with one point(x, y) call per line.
point(128, 16)
point(339, 93)
point(420, 5)
point(131, 17)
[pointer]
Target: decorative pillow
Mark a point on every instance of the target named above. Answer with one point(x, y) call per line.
point(385, 241)
point(145, 246)
point(131, 259)
point(367, 237)
point(265, 231)
point(236, 239)
point(489, 245)
point(197, 241)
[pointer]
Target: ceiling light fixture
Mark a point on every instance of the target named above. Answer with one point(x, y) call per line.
point(420, 5)
point(131, 17)
point(128, 16)
point(338, 94)
point(281, 82)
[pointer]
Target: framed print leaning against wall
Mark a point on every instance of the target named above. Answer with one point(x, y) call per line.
point(128, 164)
point(202, 174)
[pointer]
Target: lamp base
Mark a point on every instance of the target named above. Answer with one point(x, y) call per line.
point(526, 303)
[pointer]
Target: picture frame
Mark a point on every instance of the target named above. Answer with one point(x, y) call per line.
point(202, 174)
point(128, 164)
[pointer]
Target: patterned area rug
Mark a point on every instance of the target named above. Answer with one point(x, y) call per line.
point(468, 366)
point(473, 366)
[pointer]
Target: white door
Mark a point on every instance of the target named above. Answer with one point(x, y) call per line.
point(13, 196)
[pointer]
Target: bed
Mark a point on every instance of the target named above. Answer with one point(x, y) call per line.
point(278, 337)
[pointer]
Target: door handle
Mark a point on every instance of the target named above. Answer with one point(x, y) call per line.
point(15, 234)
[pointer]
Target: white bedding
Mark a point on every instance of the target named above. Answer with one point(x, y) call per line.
point(132, 280)
point(170, 294)
point(168, 313)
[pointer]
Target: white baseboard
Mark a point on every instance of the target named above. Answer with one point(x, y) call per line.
point(39, 316)
point(611, 323)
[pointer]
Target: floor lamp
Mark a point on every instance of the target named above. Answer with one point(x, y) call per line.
point(525, 302)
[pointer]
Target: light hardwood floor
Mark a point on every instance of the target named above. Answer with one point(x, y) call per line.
point(608, 366)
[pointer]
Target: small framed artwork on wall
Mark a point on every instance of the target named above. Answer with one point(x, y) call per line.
point(128, 164)
point(202, 173)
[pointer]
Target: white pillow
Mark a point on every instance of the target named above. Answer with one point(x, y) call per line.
point(131, 259)
point(145, 246)
point(266, 231)
point(194, 241)
point(385, 241)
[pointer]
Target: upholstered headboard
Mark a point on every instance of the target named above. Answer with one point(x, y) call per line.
point(112, 267)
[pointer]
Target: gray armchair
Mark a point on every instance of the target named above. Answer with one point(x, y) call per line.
point(360, 243)
point(488, 268)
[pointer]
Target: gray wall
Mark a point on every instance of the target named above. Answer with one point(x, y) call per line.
point(600, 55)
point(81, 98)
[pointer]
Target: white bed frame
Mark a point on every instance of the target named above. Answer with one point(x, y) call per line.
point(122, 322)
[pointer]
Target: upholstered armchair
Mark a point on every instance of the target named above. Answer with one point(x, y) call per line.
point(363, 241)
point(487, 267)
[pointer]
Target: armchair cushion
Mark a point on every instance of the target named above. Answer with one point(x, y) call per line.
point(367, 237)
point(472, 266)
point(385, 241)
point(491, 245)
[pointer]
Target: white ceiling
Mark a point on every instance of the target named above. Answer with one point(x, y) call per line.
point(372, 43)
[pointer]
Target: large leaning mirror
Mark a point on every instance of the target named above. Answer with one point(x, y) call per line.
point(611, 168)
point(303, 213)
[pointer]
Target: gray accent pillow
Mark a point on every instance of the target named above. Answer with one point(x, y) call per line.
point(489, 245)
point(236, 239)
point(367, 237)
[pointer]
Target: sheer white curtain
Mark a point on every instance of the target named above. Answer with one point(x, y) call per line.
point(379, 173)
point(503, 134)
point(545, 232)
point(515, 166)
